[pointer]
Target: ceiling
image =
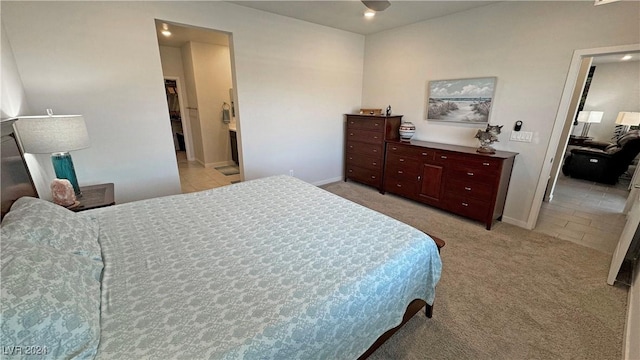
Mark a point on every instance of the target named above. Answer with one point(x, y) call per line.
point(183, 34)
point(348, 15)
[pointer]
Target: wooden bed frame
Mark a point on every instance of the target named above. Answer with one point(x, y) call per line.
point(17, 182)
point(16, 179)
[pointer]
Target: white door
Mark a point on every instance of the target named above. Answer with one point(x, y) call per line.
point(633, 220)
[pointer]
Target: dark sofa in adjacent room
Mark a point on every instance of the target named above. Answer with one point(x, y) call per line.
point(603, 162)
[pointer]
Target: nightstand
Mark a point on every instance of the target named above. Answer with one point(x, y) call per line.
point(95, 196)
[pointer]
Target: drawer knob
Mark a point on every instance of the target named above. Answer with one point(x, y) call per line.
point(470, 173)
point(401, 160)
point(443, 156)
point(375, 137)
point(425, 154)
point(394, 148)
point(465, 204)
point(375, 150)
point(486, 164)
point(400, 172)
point(353, 122)
point(399, 185)
point(373, 176)
point(350, 146)
point(374, 163)
point(350, 134)
point(350, 170)
point(376, 124)
point(467, 188)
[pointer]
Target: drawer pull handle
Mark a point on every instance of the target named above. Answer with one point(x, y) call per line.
point(350, 170)
point(443, 157)
point(470, 173)
point(374, 163)
point(486, 164)
point(465, 204)
point(419, 177)
point(399, 185)
point(376, 124)
point(350, 157)
point(401, 160)
point(375, 150)
point(467, 188)
point(373, 176)
point(350, 134)
point(350, 146)
point(425, 154)
point(375, 137)
point(394, 148)
point(400, 172)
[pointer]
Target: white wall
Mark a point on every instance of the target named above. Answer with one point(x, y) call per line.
point(294, 82)
point(528, 46)
point(13, 100)
point(212, 76)
point(615, 87)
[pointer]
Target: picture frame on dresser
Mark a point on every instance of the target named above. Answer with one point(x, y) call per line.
point(466, 101)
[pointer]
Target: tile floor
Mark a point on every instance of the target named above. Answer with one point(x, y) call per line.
point(195, 177)
point(585, 212)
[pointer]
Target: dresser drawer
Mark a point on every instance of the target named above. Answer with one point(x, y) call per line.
point(466, 206)
point(404, 164)
point(471, 174)
point(401, 186)
point(367, 176)
point(420, 154)
point(479, 162)
point(363, 161)
point(470, 189)
point(364, 123)
point(364, 148)
point(368, 136)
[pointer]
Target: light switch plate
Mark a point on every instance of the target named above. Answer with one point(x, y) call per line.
point(522, 136)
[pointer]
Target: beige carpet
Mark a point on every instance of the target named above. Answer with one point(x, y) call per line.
point(507, 293)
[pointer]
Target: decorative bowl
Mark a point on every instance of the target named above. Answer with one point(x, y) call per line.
point(407, 130)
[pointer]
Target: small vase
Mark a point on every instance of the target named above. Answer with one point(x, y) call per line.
point(407, 130)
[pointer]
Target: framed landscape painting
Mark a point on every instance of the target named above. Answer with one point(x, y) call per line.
point(461, 100)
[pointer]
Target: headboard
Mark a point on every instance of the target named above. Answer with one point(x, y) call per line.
point(15, 179)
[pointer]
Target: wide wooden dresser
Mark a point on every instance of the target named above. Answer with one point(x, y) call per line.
point(454, 178)
point(365, 146)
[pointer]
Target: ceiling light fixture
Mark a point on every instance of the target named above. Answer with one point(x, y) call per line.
point(626, 57)
point(165, 30)
point(376, 5)
point(369, 13)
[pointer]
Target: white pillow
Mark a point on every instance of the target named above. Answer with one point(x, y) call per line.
point(42, 222)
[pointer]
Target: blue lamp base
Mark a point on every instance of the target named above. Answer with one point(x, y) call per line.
point(63, 166)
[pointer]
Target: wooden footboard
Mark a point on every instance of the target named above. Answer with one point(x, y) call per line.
point(412, 309)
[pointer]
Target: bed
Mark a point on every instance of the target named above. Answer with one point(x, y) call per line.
point(273, 268)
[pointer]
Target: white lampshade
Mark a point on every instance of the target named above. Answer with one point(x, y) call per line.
point(51, 134)
point(590, 117)
point(628, 118)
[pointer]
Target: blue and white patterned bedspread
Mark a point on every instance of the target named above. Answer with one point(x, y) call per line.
point(273, 268)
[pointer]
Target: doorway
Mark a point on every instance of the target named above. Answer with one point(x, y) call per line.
point(582, 211)
point(199, 76)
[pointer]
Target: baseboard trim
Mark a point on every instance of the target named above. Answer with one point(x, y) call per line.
point(632, 327)
point(516, 222)
point(327, 181)
point(219, 164)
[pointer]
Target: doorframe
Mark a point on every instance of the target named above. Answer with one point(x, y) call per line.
point(186, 127)
point(557, 139)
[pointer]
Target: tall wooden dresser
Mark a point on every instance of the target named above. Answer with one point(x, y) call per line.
point(366, 136)
point(450, 177)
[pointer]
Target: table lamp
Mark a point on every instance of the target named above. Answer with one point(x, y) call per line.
point(588, 118)
point(627, 119)
point(55, 135)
